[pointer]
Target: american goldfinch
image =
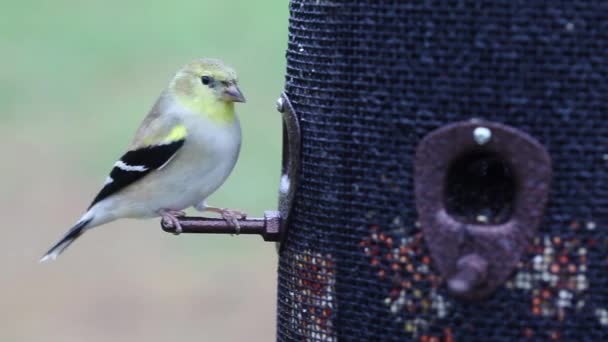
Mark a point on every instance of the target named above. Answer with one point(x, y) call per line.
point(184, 149)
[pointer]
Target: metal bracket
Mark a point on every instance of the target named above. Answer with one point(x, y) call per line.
point(476, 252)
point(273, 226)
point(291, 158)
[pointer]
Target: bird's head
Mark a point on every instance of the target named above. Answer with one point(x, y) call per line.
point(207, 86)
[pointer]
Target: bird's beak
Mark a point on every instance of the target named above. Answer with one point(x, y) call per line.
point(232, 93)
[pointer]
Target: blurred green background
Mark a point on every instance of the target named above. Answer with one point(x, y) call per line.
point(76, 79)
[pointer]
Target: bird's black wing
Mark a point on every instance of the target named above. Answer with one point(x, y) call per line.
point(135, 164)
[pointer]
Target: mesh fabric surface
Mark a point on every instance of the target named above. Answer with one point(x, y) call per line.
point(369, 79)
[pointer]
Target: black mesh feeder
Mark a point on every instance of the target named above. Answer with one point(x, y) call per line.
point(445, 172)
point(453, 180)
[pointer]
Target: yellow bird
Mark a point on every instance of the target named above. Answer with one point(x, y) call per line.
point(184, 149)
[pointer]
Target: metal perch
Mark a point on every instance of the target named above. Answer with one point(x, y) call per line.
point(268, 226)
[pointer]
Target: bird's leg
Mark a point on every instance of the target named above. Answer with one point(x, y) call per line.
point(170, 216)
point(231, 216)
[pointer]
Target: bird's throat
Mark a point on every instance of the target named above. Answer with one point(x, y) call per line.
point(215, 110)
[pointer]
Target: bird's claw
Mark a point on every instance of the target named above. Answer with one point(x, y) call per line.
point(232, 217)
point(170, 219)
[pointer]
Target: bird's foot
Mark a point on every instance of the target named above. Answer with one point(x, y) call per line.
point(170, 217)
point(232, 216)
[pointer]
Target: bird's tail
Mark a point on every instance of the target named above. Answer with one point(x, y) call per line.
point(67, 239)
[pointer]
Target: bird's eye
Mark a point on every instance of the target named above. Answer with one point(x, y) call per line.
point(206, 80)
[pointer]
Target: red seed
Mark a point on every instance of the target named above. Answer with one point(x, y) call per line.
point(528, 333)
point(554, 335)
point(447, 332)
point(389, 242)
point(394, 293)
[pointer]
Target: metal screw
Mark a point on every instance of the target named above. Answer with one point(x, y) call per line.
point(268, 226)
point(482, 135)
point(281, 104)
